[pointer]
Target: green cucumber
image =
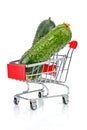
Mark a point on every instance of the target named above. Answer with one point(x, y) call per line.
point(44, 27)
point(53, 42)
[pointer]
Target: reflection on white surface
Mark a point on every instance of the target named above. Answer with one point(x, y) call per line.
point(50, 113)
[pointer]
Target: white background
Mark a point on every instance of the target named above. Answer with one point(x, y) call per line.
point(18, 22)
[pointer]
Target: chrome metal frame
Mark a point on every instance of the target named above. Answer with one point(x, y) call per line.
point(60, 62)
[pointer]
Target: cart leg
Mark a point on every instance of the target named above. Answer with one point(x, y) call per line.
point(33, 104)
point(16, 100)
point(65, 99)
point(44, 92)
point(41, 94)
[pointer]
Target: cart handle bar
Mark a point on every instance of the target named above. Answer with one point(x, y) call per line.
point(73, 44)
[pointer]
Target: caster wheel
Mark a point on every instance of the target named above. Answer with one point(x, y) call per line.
point(41, 94)
point(65, 99)
point(16, 100)
point(33, 104)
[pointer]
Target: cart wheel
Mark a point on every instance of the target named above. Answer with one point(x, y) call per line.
point(65, 99)
point(41, 94)
point(16, 100)
point(33, 104)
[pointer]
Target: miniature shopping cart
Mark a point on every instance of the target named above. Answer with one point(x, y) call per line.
point(55, 71)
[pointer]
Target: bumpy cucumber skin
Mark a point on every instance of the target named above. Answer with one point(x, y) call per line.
point(54, 41)
point(43, 28)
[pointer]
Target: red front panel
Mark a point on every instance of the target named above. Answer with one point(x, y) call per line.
point(16, 71)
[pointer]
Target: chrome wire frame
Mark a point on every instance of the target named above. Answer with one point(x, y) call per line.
point(60, 62)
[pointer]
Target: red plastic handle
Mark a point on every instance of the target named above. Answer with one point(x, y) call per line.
point(73, 44)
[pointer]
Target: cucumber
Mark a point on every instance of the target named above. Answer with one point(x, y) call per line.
point(44, 27)
point(53, 42)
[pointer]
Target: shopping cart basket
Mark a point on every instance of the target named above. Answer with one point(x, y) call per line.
point(50, 71)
